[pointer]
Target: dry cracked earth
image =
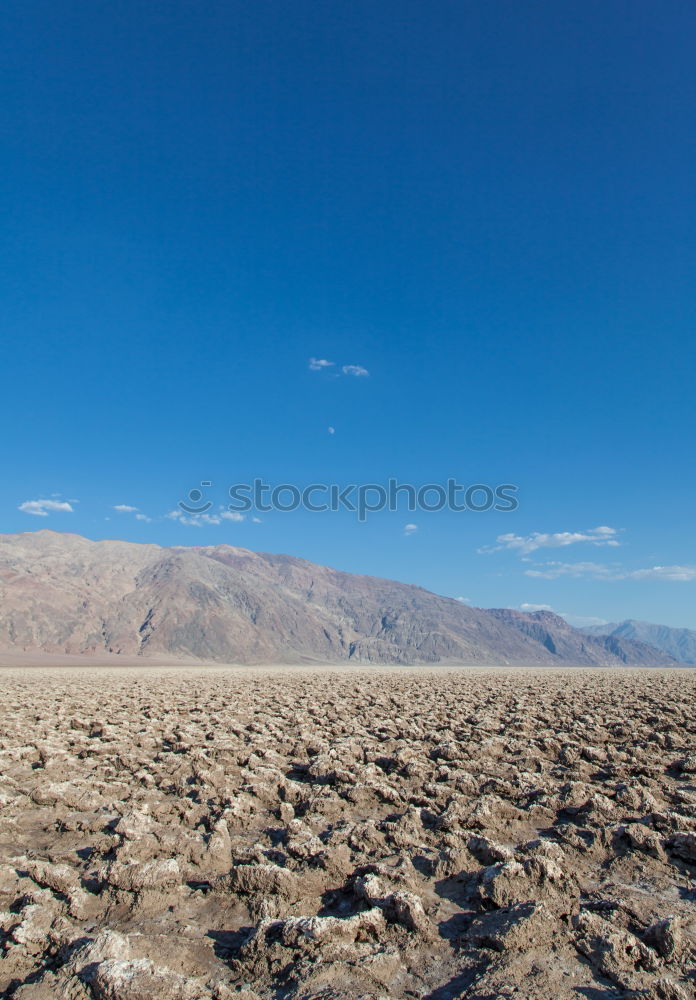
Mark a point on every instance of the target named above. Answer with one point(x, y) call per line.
point(347, 833)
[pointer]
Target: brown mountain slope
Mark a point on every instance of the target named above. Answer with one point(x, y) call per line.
point(61, 593)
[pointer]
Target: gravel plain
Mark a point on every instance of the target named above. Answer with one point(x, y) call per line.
point(337, 833)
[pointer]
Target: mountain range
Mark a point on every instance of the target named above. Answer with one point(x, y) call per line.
point(61, 593)
point(677, 642)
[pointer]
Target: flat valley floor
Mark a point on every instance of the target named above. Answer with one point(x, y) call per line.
point(184, 833)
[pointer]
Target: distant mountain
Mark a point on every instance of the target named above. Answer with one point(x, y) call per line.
point(61, 593)
point(570, 644)
point(678, 642)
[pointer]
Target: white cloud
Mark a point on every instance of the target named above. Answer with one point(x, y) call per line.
point(410, 529)
point(331, 430)
point(257, 520)
point(319, 364)
point(231, 515)
point(600, 571)
point(535, 607)
point(524, 544)
point(463, 600)
point(552, 570)
point(680, 574)
point(198, 520)
point(42, 508)
point(143, 517)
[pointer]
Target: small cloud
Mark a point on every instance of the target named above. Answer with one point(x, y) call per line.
point(42, 508)
point(524, 544)
point(463, 600)
point(316, 364)
point(194, 520)
point(198, 520)
point(331, 430)
point(231, 515)
point(257, 520)
point(125, 508)
point(356, 370)
point(535, 607)
point(410, 529)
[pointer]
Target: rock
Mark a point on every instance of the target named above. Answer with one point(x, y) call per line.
point(512, 882)
point(141, 979)
point(406, 909)
point(134, 825)
point(526, 926)
point(616, 953)
point(63, 880)
point(642, 838)
point(270, 880)
point(487, 851)
point(683, 845)
point(300, 931)
point(135, 877)
point(666, 937)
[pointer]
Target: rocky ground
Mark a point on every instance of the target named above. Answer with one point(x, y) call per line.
point(441, 833)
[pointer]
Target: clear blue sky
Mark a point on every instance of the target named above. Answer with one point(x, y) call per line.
point(488, 206)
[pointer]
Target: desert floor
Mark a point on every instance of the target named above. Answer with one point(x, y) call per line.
point(183, 833)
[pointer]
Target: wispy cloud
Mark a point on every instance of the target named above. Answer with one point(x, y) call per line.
point(680, 574)
point(601, 571)
point(553, 570)
point(319, 364)
point(143, 517)
point(535, 607)
point(580, 621)
point(195, 520)
point(524, 544)
point(199, 520)
point(42, 508)
point(410, 529)
point(463, 600)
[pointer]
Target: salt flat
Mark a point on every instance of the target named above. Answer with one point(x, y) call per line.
point(346, 832)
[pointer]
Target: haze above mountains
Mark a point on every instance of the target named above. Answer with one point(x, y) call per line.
point(61, 593)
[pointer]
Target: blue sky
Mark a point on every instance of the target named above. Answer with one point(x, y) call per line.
point(489, 207)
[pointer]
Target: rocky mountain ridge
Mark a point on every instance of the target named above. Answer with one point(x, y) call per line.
point(61, 593)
